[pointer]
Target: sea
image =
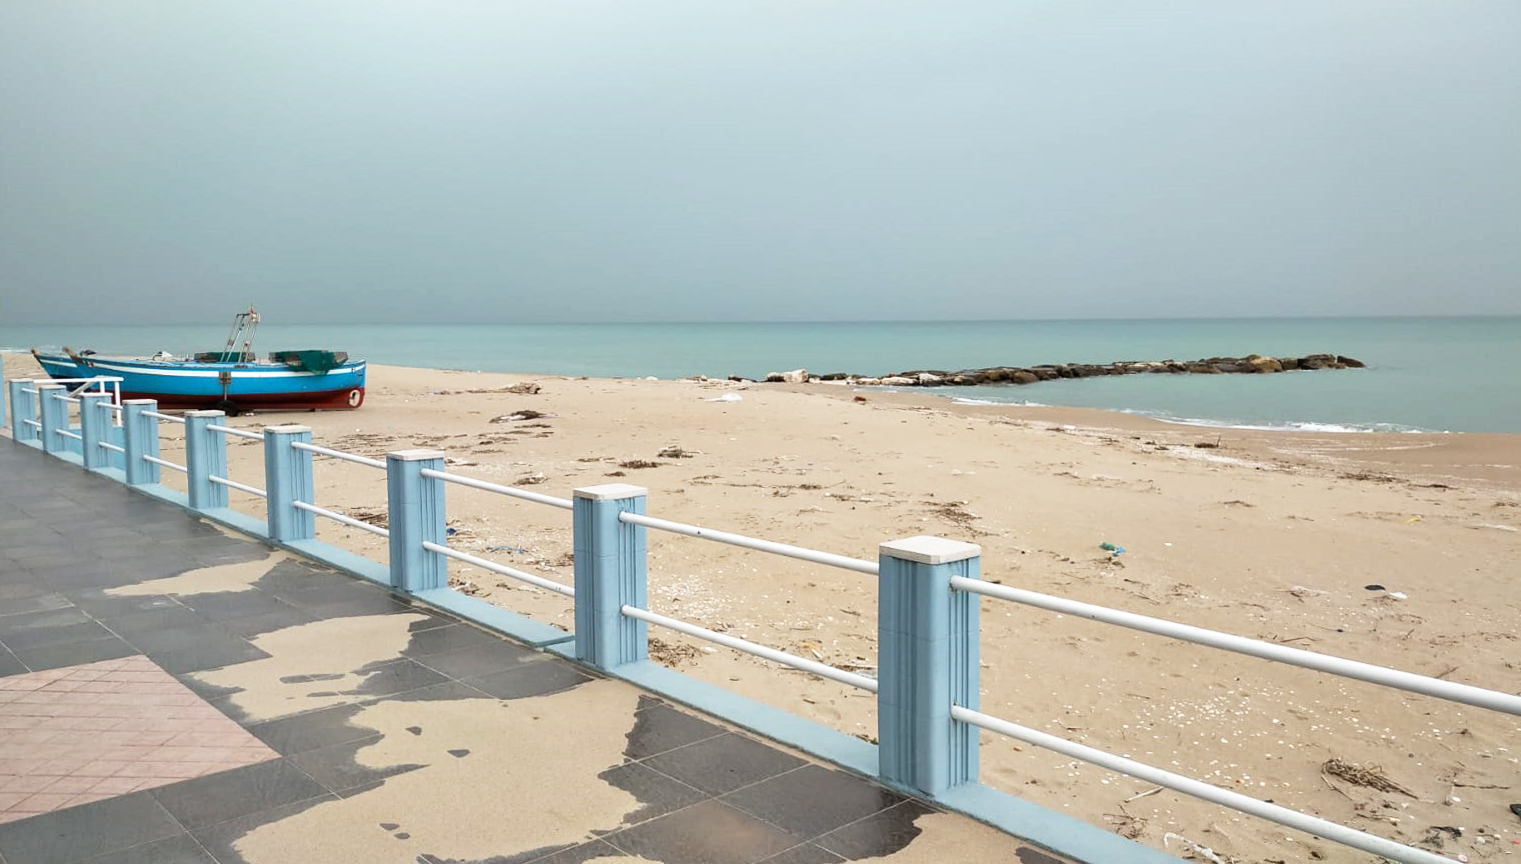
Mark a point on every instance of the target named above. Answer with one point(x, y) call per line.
point(1422, 375)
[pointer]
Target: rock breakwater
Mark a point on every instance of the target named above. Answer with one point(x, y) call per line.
point(1251, 364)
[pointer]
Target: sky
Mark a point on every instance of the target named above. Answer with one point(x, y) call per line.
point(606, 160)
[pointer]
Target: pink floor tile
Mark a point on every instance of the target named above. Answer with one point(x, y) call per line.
point(81, 734)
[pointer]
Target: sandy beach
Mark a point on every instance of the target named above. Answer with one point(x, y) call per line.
point(1397, 549)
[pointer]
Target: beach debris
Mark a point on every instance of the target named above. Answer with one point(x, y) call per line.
point(1516, 809)
point(1372, 777)
point(378, 518)
point(639, 463)
point(1374, 587)
point(858, 398)
point(674, 452)
point(450, 460)
point(524, 414)
point(1398, 595)
point(1205, 851)
point(1496, 527)
point(796, 376)
point(506, 549)
point(671, 654)
point(727, 397)
point(1411, 521)
point(526, 388)
point(1112, 549)
point(533, 479)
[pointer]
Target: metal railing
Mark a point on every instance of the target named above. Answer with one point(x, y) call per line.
point(233, 484)
point(1380, 675)
point(823, 670)
point(68, 434)
point(1333, 831)
point(241, 433)
point(173, 466)
point(827, 558)
point(502, 569)
point(338, 454)
point(339, 517)
point(106, 445)
point(169, 417)
point(509, 491)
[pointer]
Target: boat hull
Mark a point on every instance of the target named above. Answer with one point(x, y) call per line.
point(228, 386)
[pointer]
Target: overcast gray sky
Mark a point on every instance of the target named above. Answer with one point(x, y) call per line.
point(607, 160)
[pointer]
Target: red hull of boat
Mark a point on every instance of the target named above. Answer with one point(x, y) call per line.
point(331, 400)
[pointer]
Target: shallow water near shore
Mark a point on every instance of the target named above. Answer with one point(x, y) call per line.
point(1424, 374)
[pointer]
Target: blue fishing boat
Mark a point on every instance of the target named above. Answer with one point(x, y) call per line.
point(232, 380)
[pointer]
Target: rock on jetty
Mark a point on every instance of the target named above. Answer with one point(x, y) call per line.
point(1250, 364)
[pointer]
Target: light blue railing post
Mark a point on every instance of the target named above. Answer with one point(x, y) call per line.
point(4, 394)
point(610, 574)
point(139, 439)
point(94, 427)
point(927, 657)
point(288, 478)
point(55, 416)
point(205, 455)
point(23, 408)
point(416, 514)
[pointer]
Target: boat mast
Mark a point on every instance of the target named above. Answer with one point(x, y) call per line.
point(240, 340)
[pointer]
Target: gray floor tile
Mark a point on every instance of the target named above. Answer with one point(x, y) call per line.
point(182, 849)
point(73, 653)
point(90, 830)
point(532, 679)
point(813, 800)
point(336, 769)
point(724, 763)
point(219, 839)
point(236, 793)
point(661, 727)
point(878, 835)
point(706, 833)
point(657, 794)
point(310, 731)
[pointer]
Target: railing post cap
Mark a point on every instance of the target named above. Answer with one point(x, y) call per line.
point(139, 401)
point(414, 455)
point(205, 412)
point(930, 550)
point(286, 429)
point(95, 395)
point(611, 491)
point(41, 385)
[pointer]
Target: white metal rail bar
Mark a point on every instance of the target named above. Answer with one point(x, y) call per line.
point(157, 416)
point(817, 557)
point(546, 584)
point(31, 390)
point(37, 423)
point(108, 446)
point(171, 465)
point(509, 491)
point(233, 484)
point(339, 517)
point(75, 399)
point(338, 454)
point(1449, 690)
point(67, 434)
point(241, 433)
point(823, 670)
point(1187, 785)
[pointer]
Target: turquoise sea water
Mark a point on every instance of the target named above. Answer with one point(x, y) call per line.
point(1434, 374)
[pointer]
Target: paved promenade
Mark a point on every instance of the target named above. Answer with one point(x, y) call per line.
point(171, 693)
